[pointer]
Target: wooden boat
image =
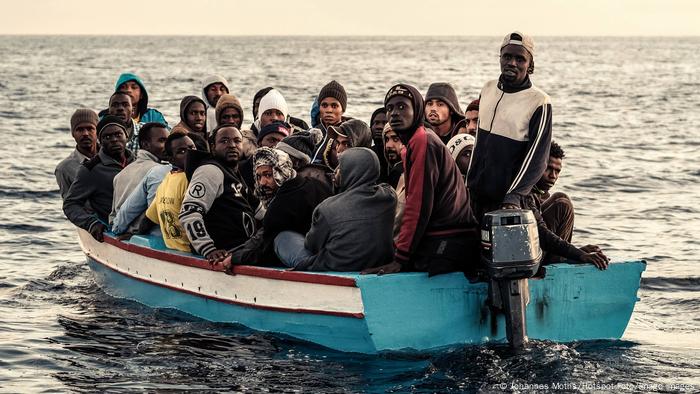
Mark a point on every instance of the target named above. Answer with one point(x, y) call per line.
point(364, 313)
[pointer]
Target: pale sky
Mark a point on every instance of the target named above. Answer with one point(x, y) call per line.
point(353, 17)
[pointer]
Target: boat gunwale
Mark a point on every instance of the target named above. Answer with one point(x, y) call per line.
point(249, 270)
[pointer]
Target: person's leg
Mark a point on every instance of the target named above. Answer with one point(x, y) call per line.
point(289, 248)
point(558, 215)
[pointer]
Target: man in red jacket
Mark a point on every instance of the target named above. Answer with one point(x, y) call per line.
point(439, 232)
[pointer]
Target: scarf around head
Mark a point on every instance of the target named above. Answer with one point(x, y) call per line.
point(282, 170)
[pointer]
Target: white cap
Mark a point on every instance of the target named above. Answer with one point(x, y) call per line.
point(273, 100)
point(457, 143)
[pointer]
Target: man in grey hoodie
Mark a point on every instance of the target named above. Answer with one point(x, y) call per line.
point(352, 230)
point(213, 87)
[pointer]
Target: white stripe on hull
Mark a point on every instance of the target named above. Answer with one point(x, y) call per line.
point(254, 291)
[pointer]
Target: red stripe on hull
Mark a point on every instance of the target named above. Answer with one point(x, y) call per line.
point(261, 272)
point(238, 303)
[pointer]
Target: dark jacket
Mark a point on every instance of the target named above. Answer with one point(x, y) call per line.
point(293, 205)
point(512, 143)
point(437, 203)
point(94, 184)
point(353, 230)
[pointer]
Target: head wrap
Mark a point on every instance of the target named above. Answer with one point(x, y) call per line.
point(282, 169)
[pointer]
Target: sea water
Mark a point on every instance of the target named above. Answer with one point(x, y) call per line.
point(625, 110)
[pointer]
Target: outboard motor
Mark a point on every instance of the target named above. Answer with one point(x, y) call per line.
point(510, 251)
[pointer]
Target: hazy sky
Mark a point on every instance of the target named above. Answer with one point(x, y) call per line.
point(353, 17)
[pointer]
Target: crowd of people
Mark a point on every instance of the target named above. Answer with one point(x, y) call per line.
point(404, 192)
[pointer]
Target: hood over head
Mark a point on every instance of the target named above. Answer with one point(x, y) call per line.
point(444, 92)
point(210, 80)
point(186, 102)
point(143, 102)
point(415, 97)
point(228, 101)
point(301, 145)
point(357, 131)
point(358, 167)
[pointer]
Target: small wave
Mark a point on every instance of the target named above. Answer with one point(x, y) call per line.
point(23, 228)
point(671, 284)
point(18, 193)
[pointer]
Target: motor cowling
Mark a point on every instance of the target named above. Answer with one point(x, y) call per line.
point(510, 246)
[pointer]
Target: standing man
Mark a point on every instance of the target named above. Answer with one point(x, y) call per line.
point(83, 128)
point(213, 87)
point(93, 183)
point(512, 144)
point(216, 213)
point(438, 233)
point(442, 111)
point(472, 115)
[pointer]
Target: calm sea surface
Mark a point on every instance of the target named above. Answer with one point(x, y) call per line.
point(626, 110)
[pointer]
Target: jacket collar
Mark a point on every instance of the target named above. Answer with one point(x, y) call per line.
point(110, 161)
point(526, 84)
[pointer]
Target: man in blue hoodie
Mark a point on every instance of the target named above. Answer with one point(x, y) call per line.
point(132, 85)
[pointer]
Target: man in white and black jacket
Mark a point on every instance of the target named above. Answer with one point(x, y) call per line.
point(512, 144)
point(216, 212)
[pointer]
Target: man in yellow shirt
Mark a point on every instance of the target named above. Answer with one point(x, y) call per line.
point(165, 208)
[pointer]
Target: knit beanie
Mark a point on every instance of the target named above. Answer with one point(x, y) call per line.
point(227, 101)
point(473, 106)
point(107, 121)
point(82, 115)
point(301, 145)
point(412, 94)
point(258, 96)
point(457, 143)
point(275, 127)
point(444, 92)
point(335, 90)
point(273, 100)
point(380, 110)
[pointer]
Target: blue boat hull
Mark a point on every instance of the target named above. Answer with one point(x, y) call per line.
point(391, 312)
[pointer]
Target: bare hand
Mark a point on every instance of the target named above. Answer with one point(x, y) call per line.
point(390, 268)
point(228, 265)
point(596, 258)
point(591, 248)
point(125, 236)
point(216, 256)
point(97, 232)
point(509, 206)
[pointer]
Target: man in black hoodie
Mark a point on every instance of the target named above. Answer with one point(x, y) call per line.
point(216, 212)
